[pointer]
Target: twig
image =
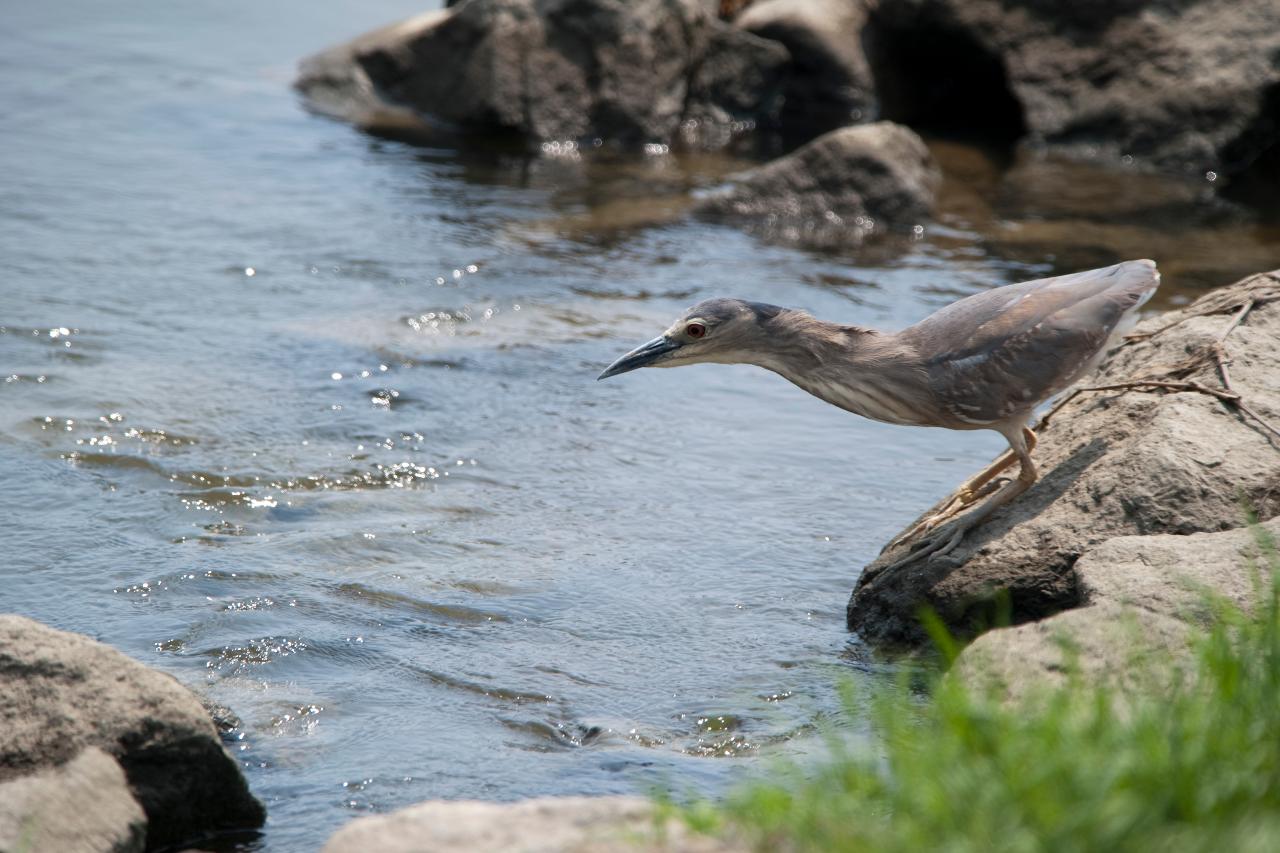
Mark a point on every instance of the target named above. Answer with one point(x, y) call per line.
point(1222, 359)
point(1251, 413)
point(1220, 349)
point(1238, 319)
point(1250, 304)
point(1172, 386)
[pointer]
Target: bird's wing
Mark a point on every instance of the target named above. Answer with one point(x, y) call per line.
point(997, 354)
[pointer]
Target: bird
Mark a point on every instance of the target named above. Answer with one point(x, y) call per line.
point(987, 361)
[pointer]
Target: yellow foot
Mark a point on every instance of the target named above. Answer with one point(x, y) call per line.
point(936, 545)
point(958, 503)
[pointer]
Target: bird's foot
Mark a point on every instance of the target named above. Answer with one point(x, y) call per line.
point(934, 545)
point(978, 486)
point(958, 503)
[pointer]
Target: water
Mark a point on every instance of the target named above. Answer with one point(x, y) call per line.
point(310, 420)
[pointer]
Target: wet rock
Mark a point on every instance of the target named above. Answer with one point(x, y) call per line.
point(61, 693)
point(334, 83)
point(553, 70)
point(1191, 84)
point(736, 86)
point(83, 806)
point(546, 825)
point(1143, 596)
point(835, 190)
point(828, 79)
point(1111, 464)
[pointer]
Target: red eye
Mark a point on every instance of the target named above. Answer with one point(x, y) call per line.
point(695, 330)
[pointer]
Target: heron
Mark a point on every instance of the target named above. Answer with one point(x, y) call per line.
point(986, 361)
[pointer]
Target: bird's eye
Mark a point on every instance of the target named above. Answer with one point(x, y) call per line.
point(695, 330)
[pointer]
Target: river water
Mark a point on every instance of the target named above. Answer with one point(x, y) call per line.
point(309, 419)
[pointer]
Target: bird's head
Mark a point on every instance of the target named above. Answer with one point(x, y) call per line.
point(725, 331)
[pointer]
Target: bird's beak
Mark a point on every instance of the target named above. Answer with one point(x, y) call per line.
point(641, 356)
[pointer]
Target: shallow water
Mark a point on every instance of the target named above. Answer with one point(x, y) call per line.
point(310, 420)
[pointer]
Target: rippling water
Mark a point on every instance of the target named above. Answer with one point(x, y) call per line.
point(310, 419)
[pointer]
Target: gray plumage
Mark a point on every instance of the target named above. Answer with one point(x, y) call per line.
point(997, 355)
point(984, 362)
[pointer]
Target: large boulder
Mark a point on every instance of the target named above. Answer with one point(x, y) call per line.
point(1142, 597)
point(83, 806)
point(835, 190)
point(555, 70)
point(735, 87)
point(828, 80)
point(334, 83)
point(62, 694)
point(1114, 463)
point(545, 825)
point(1191, 84)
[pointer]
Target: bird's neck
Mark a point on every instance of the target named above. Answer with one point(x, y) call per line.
point(864, 371)
point(799, 343)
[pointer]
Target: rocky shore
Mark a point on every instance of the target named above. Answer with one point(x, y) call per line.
point(1187, 87)
point(98, 752)
point(1166, 454)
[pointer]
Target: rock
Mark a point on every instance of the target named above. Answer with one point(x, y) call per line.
point(1111, 464)
point(723, 9)
point(828, 80)
point(335, 84)
point(545, 825)
point(553, 70)
point(83, 806)
point(725, 92)
point(1180, 85)
point(62, 693)
point(835, 190)
point(1143, 597)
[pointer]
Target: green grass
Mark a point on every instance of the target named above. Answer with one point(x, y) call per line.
point(1191, 767)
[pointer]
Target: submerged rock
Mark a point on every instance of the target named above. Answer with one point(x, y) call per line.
point(553, 70)
point(1112, 463)
point(835, 190)
point(84, 805)
point(62, 694)
point(545, 825)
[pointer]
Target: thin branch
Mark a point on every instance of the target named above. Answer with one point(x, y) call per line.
point(1222, 359)
point(1171, 386)
point(1238, 319)
point(1249, 304)
point(1251, 413)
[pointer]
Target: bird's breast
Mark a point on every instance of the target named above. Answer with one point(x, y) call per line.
point(879, 401)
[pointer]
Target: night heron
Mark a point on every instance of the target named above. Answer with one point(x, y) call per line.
point(984, 362)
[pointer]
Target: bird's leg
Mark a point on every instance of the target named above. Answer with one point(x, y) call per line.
point(949, 537)
point(969, 491)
